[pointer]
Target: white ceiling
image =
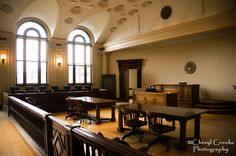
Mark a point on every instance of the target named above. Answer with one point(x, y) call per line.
point(107, 20)
point(101, 17)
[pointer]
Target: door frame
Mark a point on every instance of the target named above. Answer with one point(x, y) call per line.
point(124, 66)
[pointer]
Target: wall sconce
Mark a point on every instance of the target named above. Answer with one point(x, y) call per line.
point(3, 57)
point(59, 61)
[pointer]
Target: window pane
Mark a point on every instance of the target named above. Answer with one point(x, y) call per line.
point(32, 33)
point(31, 50)
point(88, 55)
point(79, 74)
point(31, 72)
point(28, 25)
point(43, 78)
point(79, 32)
point(79, 39)
point(88, 74)
point(79, 54)
point(19, 49)
point(19, 74)
point(31, 54)
point(43, 49)
point(43, 67)
point(43, 72)
point(70, 54)
point(70, 74)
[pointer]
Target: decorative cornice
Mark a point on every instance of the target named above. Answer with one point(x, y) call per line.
point(220, 21)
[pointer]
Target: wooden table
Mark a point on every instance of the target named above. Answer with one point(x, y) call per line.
point(175, 113)
point(98, 103)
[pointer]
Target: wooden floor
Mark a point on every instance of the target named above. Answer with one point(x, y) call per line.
point(213, 128)
point(12, 143)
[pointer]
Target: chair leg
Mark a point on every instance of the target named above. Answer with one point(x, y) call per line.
point(134, 132)
point(141, 134)
point(70, 115)
point(159, 139)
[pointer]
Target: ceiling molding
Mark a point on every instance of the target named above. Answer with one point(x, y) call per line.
point(206, 24)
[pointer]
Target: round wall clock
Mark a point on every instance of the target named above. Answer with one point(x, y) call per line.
point(190, 67)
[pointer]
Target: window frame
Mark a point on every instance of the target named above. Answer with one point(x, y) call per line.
point(39, 52)
point(85, 44)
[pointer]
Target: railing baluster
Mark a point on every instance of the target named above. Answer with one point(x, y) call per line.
point(54, 137)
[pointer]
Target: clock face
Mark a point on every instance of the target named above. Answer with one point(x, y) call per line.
point(190, 67)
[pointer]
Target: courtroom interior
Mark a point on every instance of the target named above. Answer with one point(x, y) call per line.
point(117, 77)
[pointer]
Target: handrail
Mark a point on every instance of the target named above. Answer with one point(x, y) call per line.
point(31, 119)
point(55, 137)
point(102, 145)
point(29, 107)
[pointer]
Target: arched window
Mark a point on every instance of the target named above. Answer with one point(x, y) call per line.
point(79, 57)
point(31, 54)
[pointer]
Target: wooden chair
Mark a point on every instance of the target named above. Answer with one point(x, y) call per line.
point(66, 88)
point(33, 101)
point(135, 120)
point(55, 88)
point(42, 88)
point(156, 125)
point(77, 109)
point(30, 89)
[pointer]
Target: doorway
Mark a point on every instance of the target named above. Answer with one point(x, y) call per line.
point(130, 76)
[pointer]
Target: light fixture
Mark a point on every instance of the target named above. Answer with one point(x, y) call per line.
point(3, 57)
point(59, 61)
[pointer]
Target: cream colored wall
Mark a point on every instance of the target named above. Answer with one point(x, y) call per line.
point(214, 55)
point(149, 18)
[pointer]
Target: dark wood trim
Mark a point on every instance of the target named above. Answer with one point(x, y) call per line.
point(54, 137)
point(124, 66)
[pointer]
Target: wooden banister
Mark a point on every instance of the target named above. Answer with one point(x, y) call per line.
point(55, 137)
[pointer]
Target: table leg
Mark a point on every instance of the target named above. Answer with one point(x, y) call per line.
point(182, 137)
point(120, 127)
point(113, 116)
point(98, 119)
point(197, 127)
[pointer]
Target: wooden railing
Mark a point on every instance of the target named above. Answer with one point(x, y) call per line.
point(88, 143)
point(57, 138)
point(31, 119)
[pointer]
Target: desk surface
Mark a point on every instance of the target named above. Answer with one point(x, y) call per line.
point(165, 110)
point(93, 100)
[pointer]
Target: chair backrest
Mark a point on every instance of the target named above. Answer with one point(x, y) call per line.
point(55, 88)
point(76, 105)
point(66, 88)
point(132, 117)
point(71, 106)
point(78, 87)
point(42, 88)
point(33, 101)
point(156, 124)
point(30, 100)
point(29, 88)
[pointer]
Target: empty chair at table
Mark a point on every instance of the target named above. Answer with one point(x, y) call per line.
point(156, 124)
point(134, 119)
point(77, 109)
